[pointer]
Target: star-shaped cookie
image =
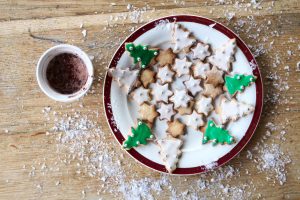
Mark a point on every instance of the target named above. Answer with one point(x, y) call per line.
point(182, 66)
point(165, 74)
point(161, 92)
point(147, 112)
point(214, 76)
point(193, 85)
point(140, 95)
point(212, 91)
point(199, 69)
point(201, 51)
point(166, 111)
point(166, 57)
point(180, 98)
point(203, 104)
point(195, 120)
point(147, 77)
point(175, 128)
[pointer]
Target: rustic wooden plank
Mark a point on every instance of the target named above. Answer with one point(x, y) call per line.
point(32, 9)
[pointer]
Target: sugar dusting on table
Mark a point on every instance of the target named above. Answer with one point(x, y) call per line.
point(81, 140)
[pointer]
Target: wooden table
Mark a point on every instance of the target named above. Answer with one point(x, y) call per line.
point(31, 167)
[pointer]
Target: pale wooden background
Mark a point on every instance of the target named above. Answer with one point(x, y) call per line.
point(23, 142)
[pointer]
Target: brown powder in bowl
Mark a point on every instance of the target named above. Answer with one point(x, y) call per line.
point(66, 73)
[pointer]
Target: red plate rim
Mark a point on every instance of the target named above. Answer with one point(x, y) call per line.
point(259, 94)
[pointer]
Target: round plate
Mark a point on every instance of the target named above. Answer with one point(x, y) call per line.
point(196, 158)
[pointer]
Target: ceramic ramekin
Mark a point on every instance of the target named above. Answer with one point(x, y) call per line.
point(42, 68)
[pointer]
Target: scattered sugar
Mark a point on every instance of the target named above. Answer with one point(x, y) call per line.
point(273, 160)
point(211, 165)
point(84, 33)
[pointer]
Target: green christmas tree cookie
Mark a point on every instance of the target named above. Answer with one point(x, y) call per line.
point(238, 82)
point(216, 134)
point(140, 135)
point(141, 53)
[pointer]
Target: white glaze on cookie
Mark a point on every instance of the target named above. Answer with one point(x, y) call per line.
point(195, 120)
point(182, 66)
point(166, 111)
point(233, 110)
point(182, 38)
point(170, 152)
point(200, 69)
point(193, 85)
point(201, 51)
point(224, 55)
point(125, 77)
point(161, 92)
point(180, 98)
point(165, 74)
point(203, 104)
point(178, 82)
point(141, 95)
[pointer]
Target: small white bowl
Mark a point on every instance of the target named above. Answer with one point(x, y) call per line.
point(42, 68)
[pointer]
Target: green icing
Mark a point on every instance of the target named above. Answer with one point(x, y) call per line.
point(139, 136)
point(238, 82)
point(141, 53)
point(216, 135)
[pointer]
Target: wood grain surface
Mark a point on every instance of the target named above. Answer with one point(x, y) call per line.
point(28, 28)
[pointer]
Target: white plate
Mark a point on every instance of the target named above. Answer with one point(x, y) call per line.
point(196, 158)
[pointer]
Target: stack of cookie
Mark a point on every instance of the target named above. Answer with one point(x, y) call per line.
point(182, 86)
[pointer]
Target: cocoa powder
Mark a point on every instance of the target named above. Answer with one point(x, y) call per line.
point(66, 73)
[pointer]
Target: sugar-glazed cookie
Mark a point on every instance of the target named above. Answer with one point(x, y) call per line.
point(170, 152)
point(175, 128)
point(166, 57)
point(166, 111)
point(182, 66)
point(201, 51)
point(224, 56)
point(180, 98)
point(195, 120)
point(212, 91)
point(147, 76)
point(200, 69)
point(141, 95)
point(178, 82)
point(193, 85)
point(126, 78)
point(203, 104)
point(139, 135)
point(165, 74)
point(232, 110)
point(182, 39)
point(141, 54)
point(147, 112)
point(214, 76)
point(161, 92)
